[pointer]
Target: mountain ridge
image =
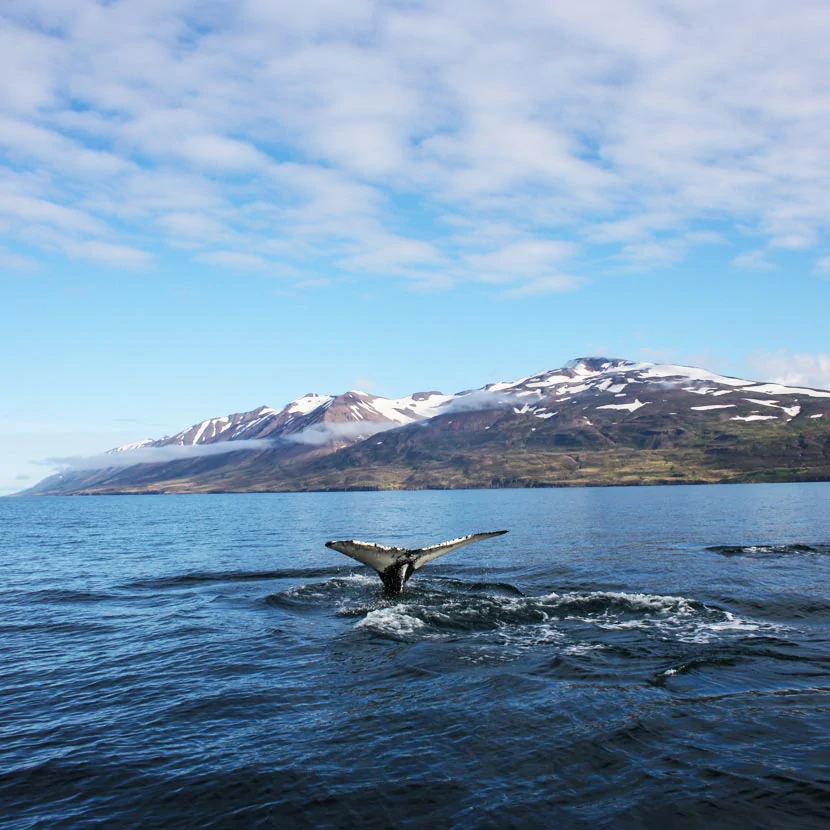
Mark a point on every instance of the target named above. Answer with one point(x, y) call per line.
point(595, 420)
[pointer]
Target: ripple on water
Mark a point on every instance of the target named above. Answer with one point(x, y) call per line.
point(198, 577)
point(170, 664)
point(797, 549)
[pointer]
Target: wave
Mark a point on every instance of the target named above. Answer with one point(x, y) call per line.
point(322, 596)
point(695, 664)
point(780, 605)
point(475, 587)
point(60, 595)
point(820, 692)
point(118, 793)
point(197, 577)
point(767, 550)
point(50, 626)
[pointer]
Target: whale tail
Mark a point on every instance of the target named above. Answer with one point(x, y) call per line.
point(396, 565)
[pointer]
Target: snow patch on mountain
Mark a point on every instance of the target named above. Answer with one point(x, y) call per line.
point(653, 370)
point(137, 445)
point(411, 408)
point(631, 407)
point(792, 411)
point(307, 403)
point(777, 389)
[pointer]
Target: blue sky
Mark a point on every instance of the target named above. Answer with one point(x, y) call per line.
point(208, 206)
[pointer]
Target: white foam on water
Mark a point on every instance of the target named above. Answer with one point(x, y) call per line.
point(392, 621)
point(670, 617)
point(304, 592)
point(360, 578)
point(578, 649)
point(635, 601)
point(325, 591)
point(509, 626)
point(528, 635)
point(703, 627)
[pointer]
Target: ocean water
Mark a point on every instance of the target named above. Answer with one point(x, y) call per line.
point(624, 657)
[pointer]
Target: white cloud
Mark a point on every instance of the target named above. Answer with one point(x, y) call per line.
point(653, 254)
point(529, 267)
point(155, 455)
point(753, 261)
point(528, 257)
point(15, 262)
point(25, 140)
point(810, 370)
point(191, 226)
point(340, 130)
point(390, 254)
point(220, 153)
point(234, 260)
point(106, 253)
point(27, 64)
point(483, 399)
point(635, 228)
point(319, 282)
point(325, 433)
point(795, 241)
point(551, 284)
point(24, 208)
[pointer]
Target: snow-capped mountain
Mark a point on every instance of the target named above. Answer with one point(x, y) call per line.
point(320, 418)
point(626, 386)
point(533, 425)
point(635, 385)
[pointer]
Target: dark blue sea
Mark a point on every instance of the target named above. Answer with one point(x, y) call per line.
point(625, 657)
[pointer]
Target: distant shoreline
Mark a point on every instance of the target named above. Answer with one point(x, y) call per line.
point(370, 489)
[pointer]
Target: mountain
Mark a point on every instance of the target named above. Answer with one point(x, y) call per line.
point(593, 421)
point(264, 439)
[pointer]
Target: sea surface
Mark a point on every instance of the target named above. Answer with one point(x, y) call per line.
point(624, 657)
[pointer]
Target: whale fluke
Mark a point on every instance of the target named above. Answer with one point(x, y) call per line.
point(396, 565)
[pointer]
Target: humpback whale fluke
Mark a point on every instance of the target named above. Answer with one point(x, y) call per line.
point(396, 565)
